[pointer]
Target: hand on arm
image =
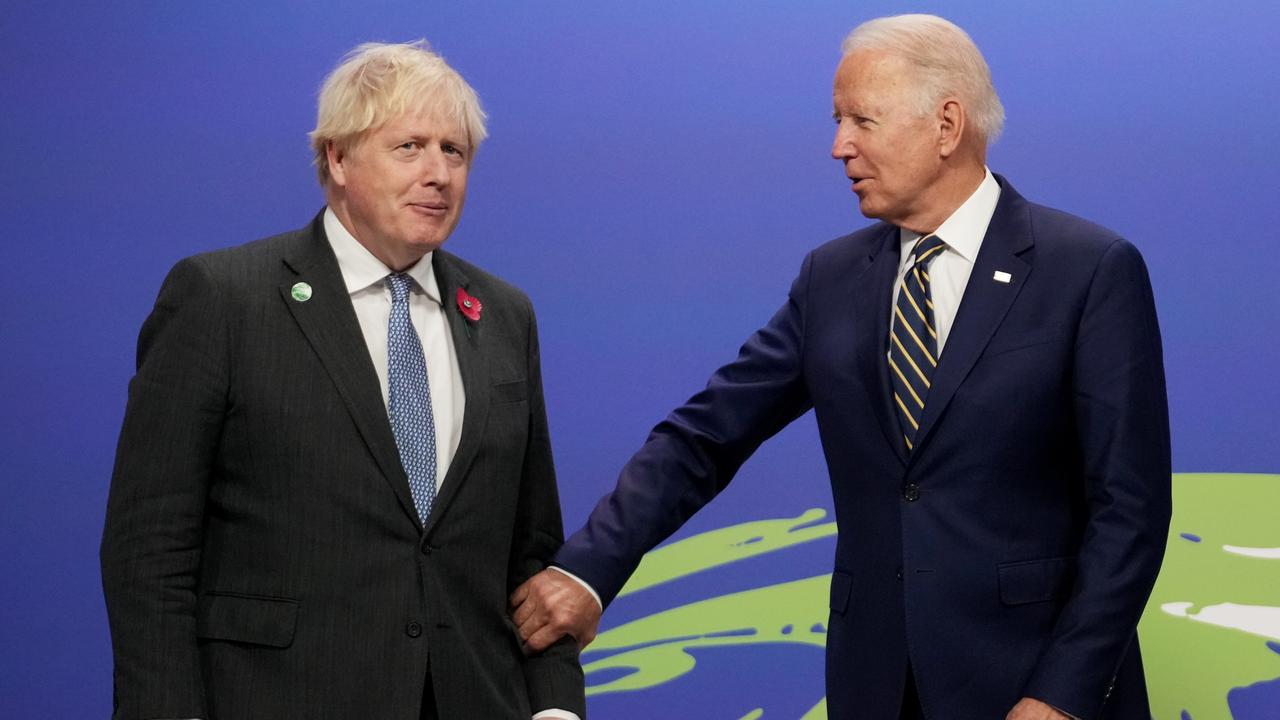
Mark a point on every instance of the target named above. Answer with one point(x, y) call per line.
point(550, 605)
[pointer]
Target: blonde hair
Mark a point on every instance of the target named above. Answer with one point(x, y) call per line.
point(378, 82)
point(946, 62)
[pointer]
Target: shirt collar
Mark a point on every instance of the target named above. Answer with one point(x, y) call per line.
point(360, 269)
point(964, 230)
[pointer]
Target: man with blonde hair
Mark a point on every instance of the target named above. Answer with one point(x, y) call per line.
point(987, 378)
point(335, 463)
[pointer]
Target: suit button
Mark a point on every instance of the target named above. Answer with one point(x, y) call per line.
point(413, 629)
point(911, 492)
point(426, 549)
point(899, 573)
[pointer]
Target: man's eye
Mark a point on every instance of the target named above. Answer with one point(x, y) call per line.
point(450, 149)
point(407, 145)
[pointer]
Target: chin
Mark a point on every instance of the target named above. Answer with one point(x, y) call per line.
point(427, 245)
point(869, 210)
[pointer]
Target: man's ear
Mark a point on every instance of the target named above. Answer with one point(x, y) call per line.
point(951, 124)
point(336, 156)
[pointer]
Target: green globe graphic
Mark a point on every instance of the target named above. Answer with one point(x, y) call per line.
point(1210, 635)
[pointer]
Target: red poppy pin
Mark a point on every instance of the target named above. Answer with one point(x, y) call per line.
point(469, 305)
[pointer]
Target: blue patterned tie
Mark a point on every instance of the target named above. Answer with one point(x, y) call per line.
point(913, 339)
point(410, 398)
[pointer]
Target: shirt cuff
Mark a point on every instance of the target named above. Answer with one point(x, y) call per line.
point(556, 714)
point(1064, 712)
point(581, 582)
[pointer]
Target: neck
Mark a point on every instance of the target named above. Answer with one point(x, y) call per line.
point(397, 259)
point(954, 186)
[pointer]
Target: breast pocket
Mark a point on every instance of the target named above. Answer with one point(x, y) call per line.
point(256, 619)
point(510, 392)
point(1009, 340)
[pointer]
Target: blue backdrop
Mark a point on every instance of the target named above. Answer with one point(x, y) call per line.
point(656, 172)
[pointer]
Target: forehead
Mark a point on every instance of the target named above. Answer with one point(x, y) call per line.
point(428, 122)
point(871, 76)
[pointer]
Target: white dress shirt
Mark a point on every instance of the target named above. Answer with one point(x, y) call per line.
point(365, 277)
point(950, 269)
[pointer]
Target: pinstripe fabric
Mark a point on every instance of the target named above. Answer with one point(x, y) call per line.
point(261, 556)
point(913, 339)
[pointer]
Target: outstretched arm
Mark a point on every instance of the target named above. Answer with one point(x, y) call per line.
point(686, 461)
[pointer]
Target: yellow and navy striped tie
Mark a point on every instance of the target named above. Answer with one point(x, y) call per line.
point(913, 339)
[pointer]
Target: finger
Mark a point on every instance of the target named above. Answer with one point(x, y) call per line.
point(542, 639)
point(520, 593)
point(529, 626)
point(523, 612)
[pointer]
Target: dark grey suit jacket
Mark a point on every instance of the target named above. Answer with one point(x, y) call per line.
point(262, 557)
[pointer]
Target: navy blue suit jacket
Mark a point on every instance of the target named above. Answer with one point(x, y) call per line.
point(1013, 552)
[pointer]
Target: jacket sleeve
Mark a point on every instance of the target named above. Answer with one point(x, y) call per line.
point(554, 677)
point(1122, 420)
point(693, 454)
point(154, 524)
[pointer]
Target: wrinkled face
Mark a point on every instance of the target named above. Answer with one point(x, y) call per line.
point(891, 154)
point(400, 188)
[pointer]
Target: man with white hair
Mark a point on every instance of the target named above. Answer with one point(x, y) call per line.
point(988, 383)
point(335, 464)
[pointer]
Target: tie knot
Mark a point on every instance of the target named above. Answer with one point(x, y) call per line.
point(400, 284)
point(928, 248)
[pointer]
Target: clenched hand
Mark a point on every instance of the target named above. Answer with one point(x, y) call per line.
point(549, 606)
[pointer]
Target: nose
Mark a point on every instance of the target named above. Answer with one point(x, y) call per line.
point(843, 146)
point(434, 168)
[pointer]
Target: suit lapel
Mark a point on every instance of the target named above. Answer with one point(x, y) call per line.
point(472, 363)
point(984, 304)
point(871, 302)
point(329, 323)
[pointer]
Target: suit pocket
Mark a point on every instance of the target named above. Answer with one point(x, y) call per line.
point(1032, 581)
point(508, 392)
point(841, 586)
point(1009, 341)
point(252, 619)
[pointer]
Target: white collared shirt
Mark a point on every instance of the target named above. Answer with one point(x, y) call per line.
point(365, 277)
point(949, 272)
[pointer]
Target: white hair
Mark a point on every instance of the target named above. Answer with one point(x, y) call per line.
point(946, 61)
point(379, 82)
